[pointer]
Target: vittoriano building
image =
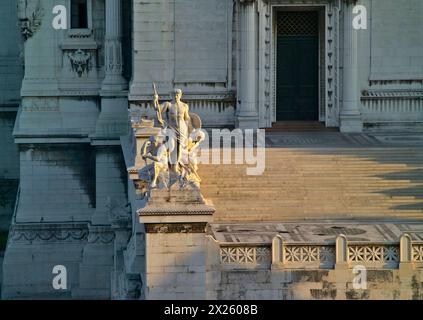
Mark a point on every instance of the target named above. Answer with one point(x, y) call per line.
point(336, 86)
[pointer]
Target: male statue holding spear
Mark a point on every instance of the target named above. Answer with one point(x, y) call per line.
point(178, 121)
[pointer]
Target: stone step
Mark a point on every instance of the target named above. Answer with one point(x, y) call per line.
point(306, 183)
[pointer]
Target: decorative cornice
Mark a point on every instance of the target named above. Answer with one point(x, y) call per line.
point(188, 97)
point(165, 212)
point(392, 94)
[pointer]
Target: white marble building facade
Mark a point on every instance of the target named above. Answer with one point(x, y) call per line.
point(72, 109)
point(367, 78)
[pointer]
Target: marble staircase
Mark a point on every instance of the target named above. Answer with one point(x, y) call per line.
point(367, 183)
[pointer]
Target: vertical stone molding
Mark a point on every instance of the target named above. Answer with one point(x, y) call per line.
point(112, 122)
point(406, 249)
point(350, 112)
point(277, 251)
point(247, 98)
point(341, 251)
point(113, 64)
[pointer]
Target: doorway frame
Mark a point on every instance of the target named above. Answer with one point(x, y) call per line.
point(329, 84)
point(320, 66)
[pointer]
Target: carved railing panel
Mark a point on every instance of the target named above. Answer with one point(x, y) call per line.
point(417, 253)
point(245, 256)
point(316, 255)
point(374, 254)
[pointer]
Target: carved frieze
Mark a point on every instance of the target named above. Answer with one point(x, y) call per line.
point(101, 237)
point(196, 227)
point(29, 234)
point(40, 104)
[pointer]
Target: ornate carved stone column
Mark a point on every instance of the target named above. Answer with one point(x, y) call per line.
point(113, 64)
point(350, 113)
point(247, 116)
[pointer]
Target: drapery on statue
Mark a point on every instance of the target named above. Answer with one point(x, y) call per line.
point(174, 151)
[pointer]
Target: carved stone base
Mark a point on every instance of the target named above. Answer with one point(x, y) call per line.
point(176, 206)
point(351, 124)
point(247, 122)
point(113, 119)
point(175, 223)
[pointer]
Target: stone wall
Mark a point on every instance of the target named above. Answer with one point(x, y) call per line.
point(11, 73)
point(316, 284)
point(71, 184)
point(68, 198)
point(309, 271)
point(9, 169)
point(390, 65)
point(176, 44)
point(57, 183)
point(11, 70)
point(175, 266)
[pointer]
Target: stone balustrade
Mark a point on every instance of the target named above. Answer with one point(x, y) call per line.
point(282, 255)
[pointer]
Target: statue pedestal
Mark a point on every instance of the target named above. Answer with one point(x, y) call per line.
point(175, 225)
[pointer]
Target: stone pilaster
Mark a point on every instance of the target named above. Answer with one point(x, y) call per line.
point(350, 113)
point(247, 116)
point(113, 64)
point(112, 122)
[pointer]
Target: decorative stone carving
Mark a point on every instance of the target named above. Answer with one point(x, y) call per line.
point(80, 33)
point(80, 61)
point(29, 234)
point(101, 237)
point(173, 151)
point(301, 253)
point(176, 202)
point(30, 13)
point(113, 59)
point(245, 255)
point(373, 253)
point(198, 227)
point(418, 253)
point(40, 104)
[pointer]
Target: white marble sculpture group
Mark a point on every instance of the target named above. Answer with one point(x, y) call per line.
point(172, 155)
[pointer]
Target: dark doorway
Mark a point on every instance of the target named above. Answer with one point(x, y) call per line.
point(297, 72)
